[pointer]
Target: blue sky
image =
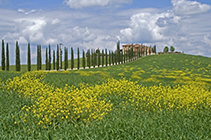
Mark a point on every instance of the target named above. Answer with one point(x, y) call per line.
point(184, 24)
point(49, 4)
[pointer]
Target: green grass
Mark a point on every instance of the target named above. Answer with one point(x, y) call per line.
point(119, 123)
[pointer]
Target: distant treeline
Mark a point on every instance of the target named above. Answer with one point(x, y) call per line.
point(90, 58)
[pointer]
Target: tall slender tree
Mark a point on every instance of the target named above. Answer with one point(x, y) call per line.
point(29, 58)
point(112, 57)
point(92, 61)
point(84, 65)
point(102, 58)
point(3, 57)
point(98, 54)
point(94, 58)
point(150, 50)
point(46, 60)
point(118, 52)
point(7, 57)
point(154, 49)
point(49, 54)
point(17, 57)
point(124, 57)
point(57, 58)
point(78, 66)
point(60, 51)
point(65, 58)
point(115, 58)
point(109, 59)
point(38, 57)
point(132, 53)
point(72, 59)
point(54, 60)
point(106, 57)
point(88, 58)
point(121, 58)
point(139, 52)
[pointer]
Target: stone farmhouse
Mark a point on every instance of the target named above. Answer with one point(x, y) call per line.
point(143, 48)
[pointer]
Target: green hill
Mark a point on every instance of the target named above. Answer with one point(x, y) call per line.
point(155, 97)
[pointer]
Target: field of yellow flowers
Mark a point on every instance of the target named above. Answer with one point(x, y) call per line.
point(161, 96)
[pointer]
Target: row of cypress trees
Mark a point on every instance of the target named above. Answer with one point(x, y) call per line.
point(5, 66)
point(90, 58)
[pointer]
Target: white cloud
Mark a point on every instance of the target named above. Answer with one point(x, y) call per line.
point(55, 21)
point(207, 40)
point(147, 27)
point(184, 7)
point(185, 33)
point(23, 11)
point(89, 3)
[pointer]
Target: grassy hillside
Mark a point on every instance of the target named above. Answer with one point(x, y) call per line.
point(155, 97)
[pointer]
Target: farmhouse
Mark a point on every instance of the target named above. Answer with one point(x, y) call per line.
point(143, 48)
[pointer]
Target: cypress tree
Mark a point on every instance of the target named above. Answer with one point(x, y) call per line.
point(124, 58)
point(112, 57)
point(54, 60)
point(49, 60)
point(65, 59)
point(60, 51)
point(29, 58)
point(106, 56)
point(129, 55)
point(154, 48)
point(150, 50)
point(98, 58)
point(3, 57)
point(118, 52)
point(88, 58)
point(17, 57)
point(132, 53)
point(91, 60)
point(61, 58)
point(78, 59)
point(46, 60)
point(102, 58)
point(40, 57)
point(115, 58)
point(109, 58)
point(139, 52)
point(57, 58)
point(38, 65)
point(84, 59)
point(72, 59)
point(94, 59)
point(7, 57)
